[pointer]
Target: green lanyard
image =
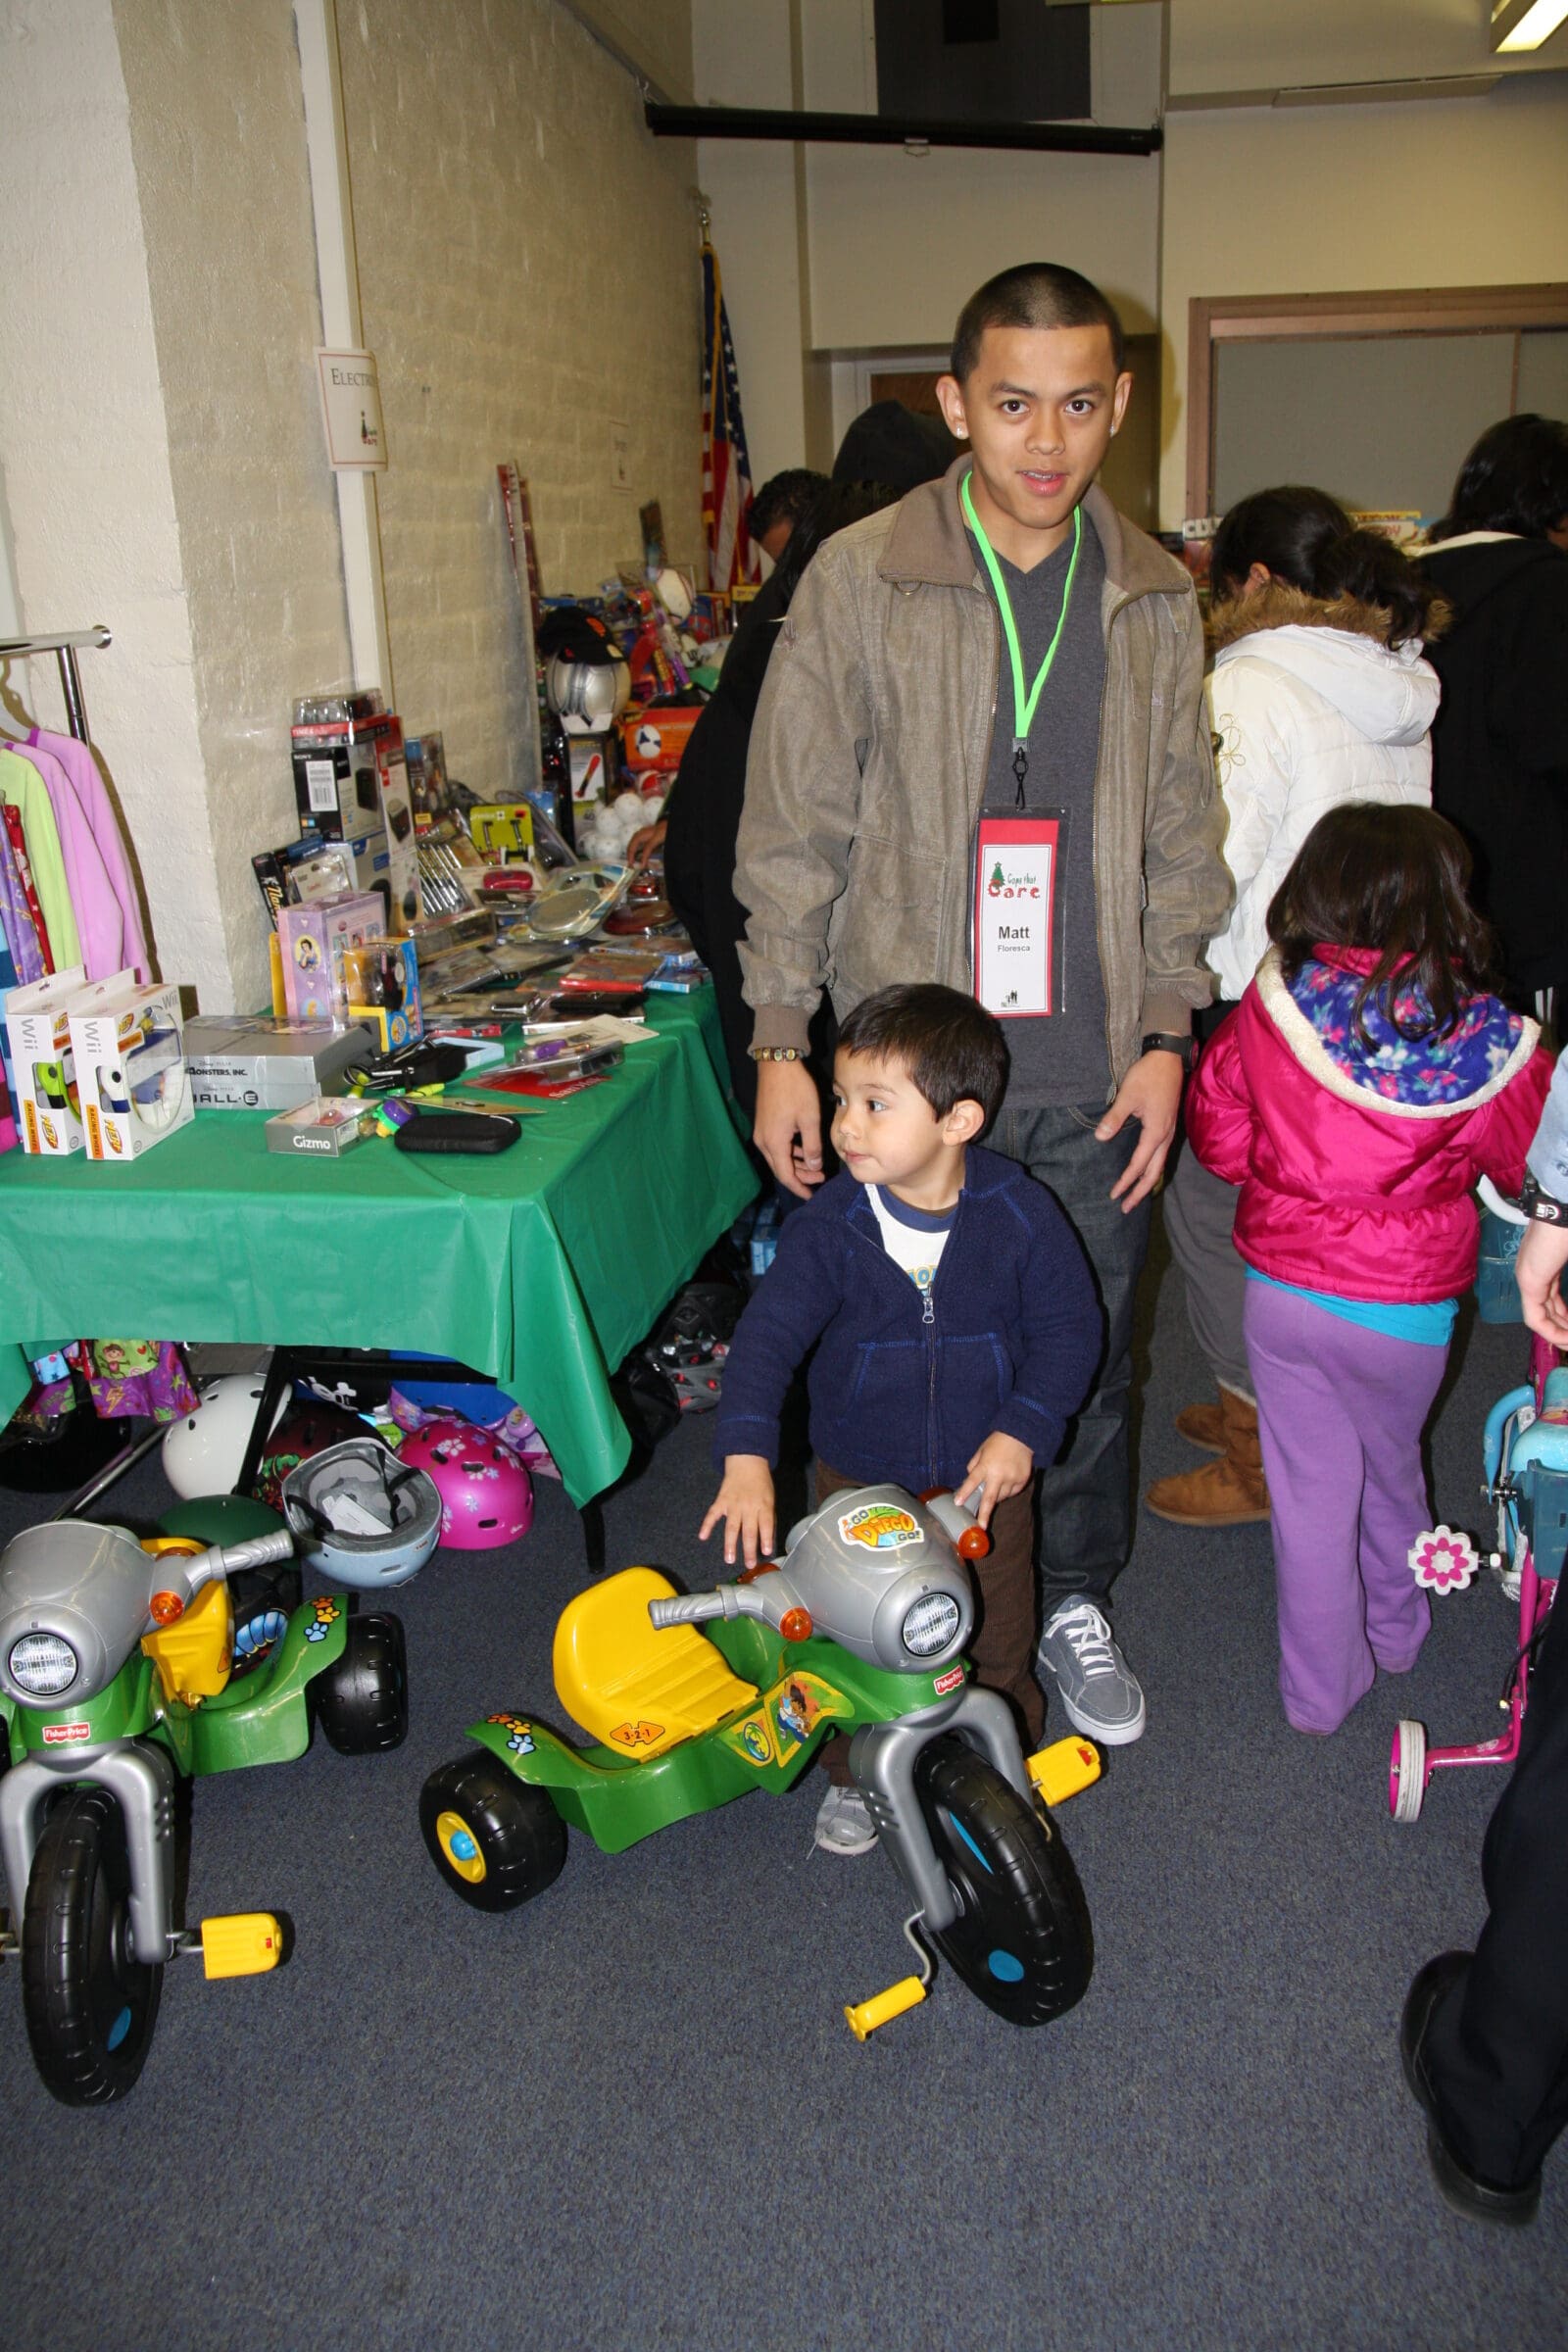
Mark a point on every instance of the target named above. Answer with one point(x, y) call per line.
point(1024, 705)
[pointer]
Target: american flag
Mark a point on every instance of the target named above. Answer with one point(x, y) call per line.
point(726, 467)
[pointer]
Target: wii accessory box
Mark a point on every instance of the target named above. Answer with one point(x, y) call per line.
point(48, 1105)
point(130, 1050)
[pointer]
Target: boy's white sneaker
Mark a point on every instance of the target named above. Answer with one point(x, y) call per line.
point(842, 1824)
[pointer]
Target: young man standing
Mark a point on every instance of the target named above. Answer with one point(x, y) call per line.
point(980, 758)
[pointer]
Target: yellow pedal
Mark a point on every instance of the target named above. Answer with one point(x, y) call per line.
point(865, 2017)
point(241, 1943)
point(1062, 1769)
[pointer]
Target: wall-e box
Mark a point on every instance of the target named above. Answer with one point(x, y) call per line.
point(241, 1062)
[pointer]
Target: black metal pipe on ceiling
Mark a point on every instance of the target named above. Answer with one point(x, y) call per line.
point(888, 130)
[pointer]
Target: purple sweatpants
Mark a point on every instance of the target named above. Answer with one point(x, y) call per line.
point(1340, 1412)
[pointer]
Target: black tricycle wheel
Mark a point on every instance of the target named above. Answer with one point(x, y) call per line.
point(496, 1840)
point(90, 2007)
point(1021, 1940)
point(362, 1700)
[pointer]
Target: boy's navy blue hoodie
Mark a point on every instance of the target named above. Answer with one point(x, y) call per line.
point(1012, 1342)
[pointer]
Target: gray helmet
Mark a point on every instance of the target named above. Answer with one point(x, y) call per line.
point(362, 1518)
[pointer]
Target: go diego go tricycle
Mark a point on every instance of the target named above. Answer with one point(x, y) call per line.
point(117, 1681)
point(859, 1628)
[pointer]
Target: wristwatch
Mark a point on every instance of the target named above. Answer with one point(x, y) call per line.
point(1166, 1040)
point(1540, 1206)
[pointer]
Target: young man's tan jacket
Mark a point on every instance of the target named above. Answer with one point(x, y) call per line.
point(867, 772)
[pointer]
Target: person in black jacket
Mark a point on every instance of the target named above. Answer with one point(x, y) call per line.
point(1500, 746)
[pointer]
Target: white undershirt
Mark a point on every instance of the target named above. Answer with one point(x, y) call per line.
point(918, 1248)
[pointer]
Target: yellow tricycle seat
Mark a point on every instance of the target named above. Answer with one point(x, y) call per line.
point(632, 1689)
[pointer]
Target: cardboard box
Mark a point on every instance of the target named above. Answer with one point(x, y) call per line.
point(382, 982)
point(499, 826)
point(238, 1061)
point(653, 741)
point(397, 816)
point(313, 942)
point(48, 1106)
point(129, 1051)
point(322, 1130)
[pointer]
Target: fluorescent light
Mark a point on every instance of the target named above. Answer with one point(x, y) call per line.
point(1525, 24)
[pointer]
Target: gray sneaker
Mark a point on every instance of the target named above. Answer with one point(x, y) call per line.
point(1099, 1693)
point(842, 1823)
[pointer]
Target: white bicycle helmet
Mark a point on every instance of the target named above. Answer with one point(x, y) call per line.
point(361, 1517)
point(203, 1452)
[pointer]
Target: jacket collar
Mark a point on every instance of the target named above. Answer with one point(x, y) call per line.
point(1279, 605)
point(1302, 1043)
point(928, 542)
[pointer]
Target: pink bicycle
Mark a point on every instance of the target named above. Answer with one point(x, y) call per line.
point(1525, 1451)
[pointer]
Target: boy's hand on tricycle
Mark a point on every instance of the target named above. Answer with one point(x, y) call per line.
point(1003, 1467)
point(745, 1503)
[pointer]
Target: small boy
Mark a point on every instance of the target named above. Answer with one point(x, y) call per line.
point(954, 1318)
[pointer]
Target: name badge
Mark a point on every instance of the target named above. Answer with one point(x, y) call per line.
point(1016, 944)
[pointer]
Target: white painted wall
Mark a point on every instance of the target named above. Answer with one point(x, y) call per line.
point(1333, 199)
point(528, 272)
point(84, 442)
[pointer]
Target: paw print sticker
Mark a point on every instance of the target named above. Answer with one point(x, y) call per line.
point(324, 1612)
point(521, 1743)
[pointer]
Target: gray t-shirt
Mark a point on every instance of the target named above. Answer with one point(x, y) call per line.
point(1059, 1057)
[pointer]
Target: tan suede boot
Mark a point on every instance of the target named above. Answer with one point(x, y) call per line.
point(1229, 1493)
point(1202, 1425)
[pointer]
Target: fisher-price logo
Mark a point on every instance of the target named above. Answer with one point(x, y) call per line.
point(1011, 886)
point(59, 1735)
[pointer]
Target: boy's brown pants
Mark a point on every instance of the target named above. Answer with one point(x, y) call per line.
point(1002, 1647)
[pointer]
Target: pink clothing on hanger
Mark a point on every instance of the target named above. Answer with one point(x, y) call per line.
point(92, 795)
point(100, 918)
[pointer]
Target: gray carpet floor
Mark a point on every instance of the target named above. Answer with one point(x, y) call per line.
point(630, 2115)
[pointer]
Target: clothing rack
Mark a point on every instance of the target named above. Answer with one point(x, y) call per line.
point(63, 647)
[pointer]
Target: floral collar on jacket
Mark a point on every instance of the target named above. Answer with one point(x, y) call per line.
point(1418, 1078)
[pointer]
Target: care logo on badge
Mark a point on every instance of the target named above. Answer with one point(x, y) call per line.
point(880, 1527)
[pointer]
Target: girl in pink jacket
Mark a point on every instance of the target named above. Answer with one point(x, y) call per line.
point(1363, 1083)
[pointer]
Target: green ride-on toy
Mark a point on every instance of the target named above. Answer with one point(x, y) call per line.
point(119, 1677)
point(859, 1628)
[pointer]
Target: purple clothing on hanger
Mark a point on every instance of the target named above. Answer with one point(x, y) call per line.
point(15, 919)
point(98, 811)
point(100, 921)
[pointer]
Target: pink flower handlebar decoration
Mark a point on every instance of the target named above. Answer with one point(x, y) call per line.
point(1444, 1558)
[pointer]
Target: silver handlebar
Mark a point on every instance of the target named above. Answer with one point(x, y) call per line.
point(694, 1608)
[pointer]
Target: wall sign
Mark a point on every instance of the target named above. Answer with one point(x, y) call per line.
point(351, 405)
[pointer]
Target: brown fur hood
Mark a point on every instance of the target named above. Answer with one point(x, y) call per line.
point(1281, 607)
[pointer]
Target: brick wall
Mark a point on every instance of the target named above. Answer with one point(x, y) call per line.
point(528, 273)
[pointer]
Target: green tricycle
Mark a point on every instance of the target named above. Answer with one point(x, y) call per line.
point(859, 1629)
point(122, 1674)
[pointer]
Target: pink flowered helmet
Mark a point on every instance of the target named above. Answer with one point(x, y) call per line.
point(486, 1493)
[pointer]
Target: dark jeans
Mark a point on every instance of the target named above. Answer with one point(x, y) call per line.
point(1496, 2049)
point(1085, 1503)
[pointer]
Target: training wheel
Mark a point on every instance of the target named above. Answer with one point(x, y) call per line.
point(1407, 1770)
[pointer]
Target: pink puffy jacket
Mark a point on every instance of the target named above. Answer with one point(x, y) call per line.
point(1341, 1189)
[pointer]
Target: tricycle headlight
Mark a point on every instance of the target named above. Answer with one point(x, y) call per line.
point(929, 1625)
point(43, 1665)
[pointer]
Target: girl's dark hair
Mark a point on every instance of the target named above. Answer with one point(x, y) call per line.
point(1392, 878)
point(1514, 479)
point(946, 1043)
point(1307, 539)
point(836, 505)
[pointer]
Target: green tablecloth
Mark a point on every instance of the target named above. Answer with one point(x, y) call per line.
point(541, 1266)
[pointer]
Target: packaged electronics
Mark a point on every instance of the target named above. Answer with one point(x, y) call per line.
point(131, 1079)
point(48, 1107)
point(381, 978)
point(239, 1062)
point(313, 942)
point(322, 1130)
point(351, 784)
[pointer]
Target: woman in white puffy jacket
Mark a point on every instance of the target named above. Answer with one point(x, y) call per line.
point(1319, 694)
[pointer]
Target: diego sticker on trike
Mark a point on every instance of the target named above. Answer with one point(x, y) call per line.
point(880, 1527)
